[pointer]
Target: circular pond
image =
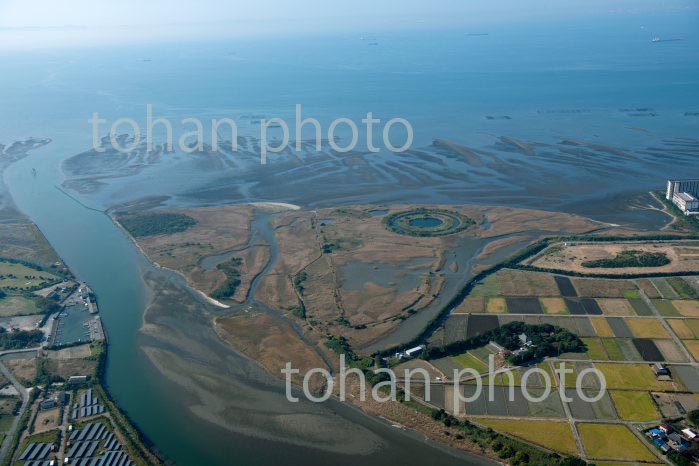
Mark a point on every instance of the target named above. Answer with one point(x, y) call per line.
point(427, 222)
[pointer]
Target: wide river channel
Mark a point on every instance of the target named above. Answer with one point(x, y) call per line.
point(100, 254)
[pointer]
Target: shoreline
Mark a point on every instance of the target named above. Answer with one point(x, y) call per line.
point(426, 427)
point(467, 450)
point(203, 295)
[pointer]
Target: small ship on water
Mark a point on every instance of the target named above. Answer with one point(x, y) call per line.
point(658, 39)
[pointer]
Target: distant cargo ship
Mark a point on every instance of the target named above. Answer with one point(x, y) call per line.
point(658, 39)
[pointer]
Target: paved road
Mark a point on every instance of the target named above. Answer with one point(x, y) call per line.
point(24, 393)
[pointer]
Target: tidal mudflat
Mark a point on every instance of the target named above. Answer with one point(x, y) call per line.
point(564, 175)
point(539, 145)
point(206, 379)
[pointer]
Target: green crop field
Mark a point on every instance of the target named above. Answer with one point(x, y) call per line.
point(469, 360)
point(554, 435)
point(614, 442)
point(665, 307)
point(634, 377)
point(613, 350)
point(635, 406)
point(595, 349)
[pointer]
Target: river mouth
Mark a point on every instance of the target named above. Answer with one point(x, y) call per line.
point(194, 397)
point(224, 408)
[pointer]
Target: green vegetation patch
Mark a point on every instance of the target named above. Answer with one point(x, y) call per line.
point(511, 449)
point(595, 349)
point(427, 222)
point(546, 340)
point(470, 361)
point(17, 275)
point(684, 289)
point(18, 306)
point(227, 289)
point(613, 350)
point(489, 286)
point(635, 406)
point(634, 377)
point(19, 339)
point(666, 308)
point(613, 441)
point(156, 223)
point(682, 222)
point(555, 435)
point(630, 258)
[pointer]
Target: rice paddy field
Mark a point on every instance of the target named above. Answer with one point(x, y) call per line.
point(635, 406)
point(613, 442)
point(556, 436)
point(626, 326)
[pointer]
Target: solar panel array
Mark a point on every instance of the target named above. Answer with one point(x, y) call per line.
point(92, 431)
point(36, 451)
point(88, 439)
point(88, 406)
point(109, 458)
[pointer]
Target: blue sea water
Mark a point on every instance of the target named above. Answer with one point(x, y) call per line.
point(568, 79)
point(444, 82)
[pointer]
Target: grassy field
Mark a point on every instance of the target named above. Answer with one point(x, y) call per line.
point(648, 288)
point(524, 283)
point(21, 277)
point(614, 442)
point(635, 406)
point(504, 379)
point(616, 307)
point(693, 325)
point(595, 349)
point(633, 377)
point(664, 288)
point(687, 308)
point(681, 328)
point(469, 360)
point(665, 307)
point(496, 305)
point(25, 242)
point(602, 327)
point(683, 288)
point(613, 350)
point(693, 347)
point(17, 306)
point(553, 435)
point(554, 306)
point(6, 422)
point(490, 286)
point(604, 288)
point(647, 328)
